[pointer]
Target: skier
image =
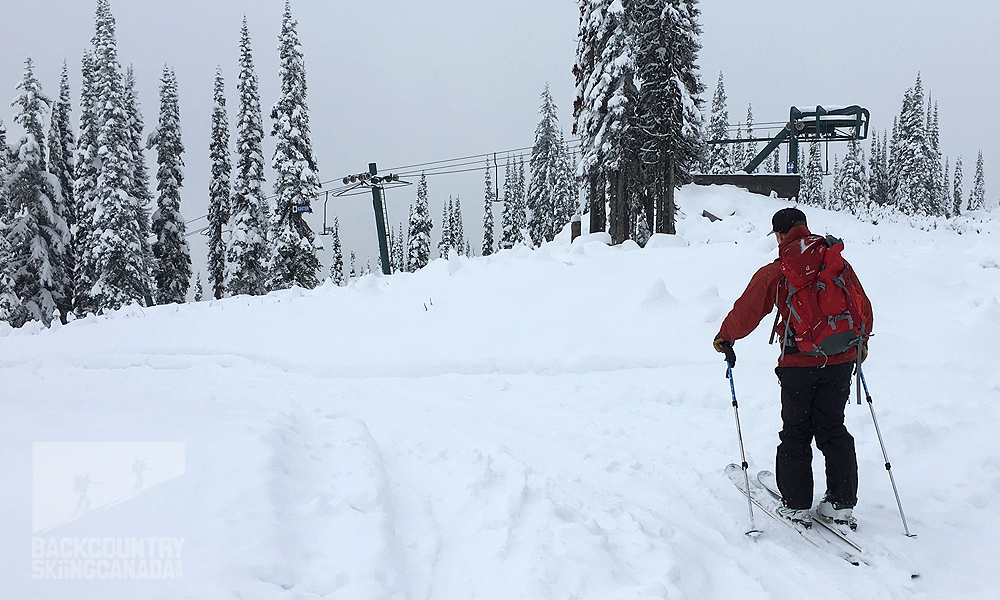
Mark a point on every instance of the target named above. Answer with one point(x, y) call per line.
point(814, 389)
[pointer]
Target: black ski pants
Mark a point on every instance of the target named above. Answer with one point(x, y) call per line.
point(812, 407)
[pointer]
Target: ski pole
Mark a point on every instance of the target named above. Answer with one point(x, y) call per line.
point(888, 465)
point(743, 457)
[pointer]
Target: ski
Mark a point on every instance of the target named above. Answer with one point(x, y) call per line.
point(762, 499)
point(767, 480)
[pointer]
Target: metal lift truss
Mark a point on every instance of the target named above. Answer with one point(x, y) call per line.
point(829, 125)
point(819, 125)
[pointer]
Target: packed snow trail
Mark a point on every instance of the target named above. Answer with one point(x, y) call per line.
point(536, 424)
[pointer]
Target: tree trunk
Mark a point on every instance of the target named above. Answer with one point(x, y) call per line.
point(660, 191)
point(671, 206)
point(619, 208)
point(598, 213)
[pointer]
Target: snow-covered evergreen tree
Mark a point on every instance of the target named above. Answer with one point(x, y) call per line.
point(118, 245)
point(878, 171)
point(488, 225)
point(776, 161)
point(669, 113)
point(11, 309)
point(957, 199)
point(520, 214)
point(550, 187)
point(199, 290)
point(294, 259)
point(811, 191)
point(395, 250)
point(458, 241)
point(508, 235)
point(5, 165)
point(853, 184)
point(140, 175)
point(36, 231)
point(977, 197)
point(87, 170)
point(750, 150)
point(337, 259)
point(604, 72)
point(738, 148)
point(62, 146)
point(946, 189)
point(218, 189)
point(444, 245)
point(247, 251)
point(938, 203)
point(173, 258)
point(419, 245)
point(401, 249)
point(719, 156)
point(833, 198)
point(568, 202)
point(914, 181)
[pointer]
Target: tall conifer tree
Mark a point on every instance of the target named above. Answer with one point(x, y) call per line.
point(508, 233)
point(444, 245)
point(977, 197)
point(62, 146)
point(958, 200)
point(913, 187)
point(547, 195)
point(751, 147)
point(36, 228)
point(812, 178)
point(87, 170)
point(669, 114)
point(218, 189)
point(173, 258)
point(458, 242)
point(337, 259)
point(119, 245)
point(604, 72)
point(420, 229)
point(140, 174)
point(489, 200)
point(719, 157)
point(294, 259)
point(520, 202)
point(853, 181)
point(247, 252)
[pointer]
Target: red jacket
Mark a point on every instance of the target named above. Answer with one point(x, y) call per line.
point(768, 289)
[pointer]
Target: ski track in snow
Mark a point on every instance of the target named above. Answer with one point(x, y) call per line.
point(547, 424)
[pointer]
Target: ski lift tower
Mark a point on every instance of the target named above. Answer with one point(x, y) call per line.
point(377, 183)
point(841, 124)
point(823, 124)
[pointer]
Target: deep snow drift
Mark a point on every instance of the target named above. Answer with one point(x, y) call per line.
point(537, 424)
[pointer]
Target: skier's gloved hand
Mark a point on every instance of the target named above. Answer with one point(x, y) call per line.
point(864, 352)
point(725, 347)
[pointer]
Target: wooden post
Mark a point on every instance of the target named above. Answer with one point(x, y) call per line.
point(575, 228)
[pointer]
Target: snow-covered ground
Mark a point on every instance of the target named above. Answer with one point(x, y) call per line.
point(536, 424)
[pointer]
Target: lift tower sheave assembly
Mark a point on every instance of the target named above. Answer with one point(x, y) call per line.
point(377, 183)
point(819, 125)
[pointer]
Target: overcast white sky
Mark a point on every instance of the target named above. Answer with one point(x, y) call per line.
point(402, 81)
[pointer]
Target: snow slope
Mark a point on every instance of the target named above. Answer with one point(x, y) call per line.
point(536, 424)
